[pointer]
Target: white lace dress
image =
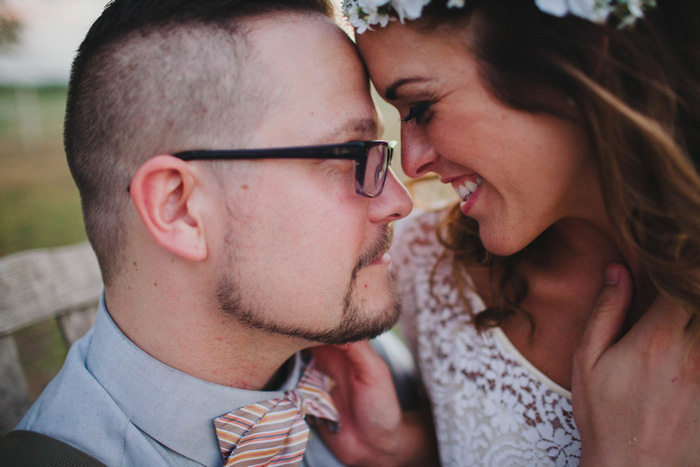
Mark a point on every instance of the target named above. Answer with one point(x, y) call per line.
point(490, 405)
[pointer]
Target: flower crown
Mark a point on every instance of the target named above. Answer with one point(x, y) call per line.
point(363, 14)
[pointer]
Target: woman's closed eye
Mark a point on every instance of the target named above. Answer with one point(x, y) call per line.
point(417, 112)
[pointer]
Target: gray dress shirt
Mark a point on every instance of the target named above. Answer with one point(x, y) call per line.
point(125, 408)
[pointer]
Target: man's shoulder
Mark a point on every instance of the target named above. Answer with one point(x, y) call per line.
point(76, 409)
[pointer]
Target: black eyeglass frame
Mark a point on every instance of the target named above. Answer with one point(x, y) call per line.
point(354, 150)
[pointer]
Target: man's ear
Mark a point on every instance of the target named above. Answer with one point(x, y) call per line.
point(162, 190)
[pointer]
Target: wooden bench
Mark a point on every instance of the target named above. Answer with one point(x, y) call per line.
point(57, 283)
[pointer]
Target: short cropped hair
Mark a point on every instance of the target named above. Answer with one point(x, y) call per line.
point(155, 77)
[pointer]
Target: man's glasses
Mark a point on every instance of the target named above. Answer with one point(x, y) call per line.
point(372, 159)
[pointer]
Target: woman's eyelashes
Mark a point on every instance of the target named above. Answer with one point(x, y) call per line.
point(417, 112)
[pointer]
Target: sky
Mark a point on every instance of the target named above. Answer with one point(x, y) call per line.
point(50, 34)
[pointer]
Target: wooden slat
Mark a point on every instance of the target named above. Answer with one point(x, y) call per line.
point(76, 323)
point(39, 284)
point(13, 387)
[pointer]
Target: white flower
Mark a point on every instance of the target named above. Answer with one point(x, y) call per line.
point(553, 7)
point(592, 10)
point(375, 17)
point(371, 5)
point(635, 7)
point(408, 9)
point(597, 11)
point(356, 17)
point(363, 14)
point(360, 26)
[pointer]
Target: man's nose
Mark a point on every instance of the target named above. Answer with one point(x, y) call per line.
point(393, 203)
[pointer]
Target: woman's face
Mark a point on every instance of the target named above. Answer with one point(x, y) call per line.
point(516, 173)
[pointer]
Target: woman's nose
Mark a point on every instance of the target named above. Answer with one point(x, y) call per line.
point(417, 154)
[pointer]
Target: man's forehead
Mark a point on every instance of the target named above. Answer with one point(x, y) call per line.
point(354, 129)
point(320, 86)
point(288, 28)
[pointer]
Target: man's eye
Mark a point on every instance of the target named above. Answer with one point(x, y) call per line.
point(417, 112)
point(342, 165)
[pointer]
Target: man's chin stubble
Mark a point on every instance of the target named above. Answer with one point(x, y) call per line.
point(357, 323)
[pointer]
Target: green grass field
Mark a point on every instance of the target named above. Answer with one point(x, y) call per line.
point(39, 204)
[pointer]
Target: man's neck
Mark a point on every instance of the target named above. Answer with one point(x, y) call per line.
point(195, 337)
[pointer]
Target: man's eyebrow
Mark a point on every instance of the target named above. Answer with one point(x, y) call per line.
point(354, 129)
point(390, 93)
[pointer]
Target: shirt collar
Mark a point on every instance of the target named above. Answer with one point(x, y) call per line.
point(173, 407)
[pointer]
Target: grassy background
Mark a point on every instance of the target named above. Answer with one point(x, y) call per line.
point(39, 204)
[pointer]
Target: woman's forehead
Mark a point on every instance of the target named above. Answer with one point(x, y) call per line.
point(405, 55)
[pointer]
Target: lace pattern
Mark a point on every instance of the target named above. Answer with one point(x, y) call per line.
point(489, 409)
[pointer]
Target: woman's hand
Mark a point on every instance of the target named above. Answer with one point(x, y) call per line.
point(374, 431)
point(637, 400)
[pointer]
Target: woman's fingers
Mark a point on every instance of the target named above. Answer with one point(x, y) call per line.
point(605, 323)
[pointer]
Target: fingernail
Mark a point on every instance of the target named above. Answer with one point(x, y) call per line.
point(612, 276)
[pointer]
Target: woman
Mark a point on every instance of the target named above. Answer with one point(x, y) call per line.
point(571, 138)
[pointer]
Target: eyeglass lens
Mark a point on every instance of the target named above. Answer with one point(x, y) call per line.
point(375, 170)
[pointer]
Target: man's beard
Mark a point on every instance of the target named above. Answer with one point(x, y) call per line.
point(357, 322)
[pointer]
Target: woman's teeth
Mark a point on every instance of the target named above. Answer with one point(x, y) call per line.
point(464, 190)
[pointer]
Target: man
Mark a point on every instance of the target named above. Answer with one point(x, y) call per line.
point(218, 268)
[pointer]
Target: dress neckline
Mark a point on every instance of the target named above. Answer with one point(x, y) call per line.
point(507, 347)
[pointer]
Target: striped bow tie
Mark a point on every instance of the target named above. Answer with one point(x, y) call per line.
point(274, 432)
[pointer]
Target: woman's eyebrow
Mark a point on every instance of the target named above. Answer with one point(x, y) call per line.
point(391, 91)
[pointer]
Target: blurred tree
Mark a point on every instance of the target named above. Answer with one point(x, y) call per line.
point(9, 25)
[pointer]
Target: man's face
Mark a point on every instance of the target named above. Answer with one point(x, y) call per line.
point(302, 254)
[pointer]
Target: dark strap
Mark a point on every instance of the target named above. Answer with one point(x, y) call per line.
point(28, 448)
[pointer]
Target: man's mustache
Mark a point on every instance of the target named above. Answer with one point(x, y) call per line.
point(377, 249)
